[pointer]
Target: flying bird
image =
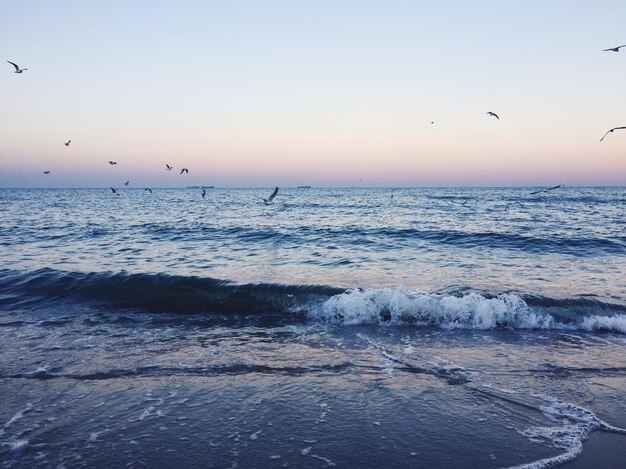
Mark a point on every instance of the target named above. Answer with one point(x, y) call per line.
point(148, 189)
point(167, 167)
point(493, 114)
point(46, 172)
point(614, 49)
point(545, 190)
point(269, 200)
point(17, 69)
point(203, 193)
point(112, 163)
point(67, 144)
point(184, 170)
point(608, 132)
point(127, 183)
point(114, 191)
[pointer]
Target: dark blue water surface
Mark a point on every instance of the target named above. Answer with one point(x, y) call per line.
point(348, 327)
point(568, 242)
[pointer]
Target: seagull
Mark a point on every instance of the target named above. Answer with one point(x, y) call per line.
point(67, 144)
point(148, 189)
point(203, 193)
point(511, 203)
point(608, 132)
point(114, 191)
point(112, 162)
point(269, 200)
point(167, 167)
point(545, 190)
point(493, 114)
point(613, 49)
point(127, 183)
point(184, 170)
point(17, 69)
point(46, 172)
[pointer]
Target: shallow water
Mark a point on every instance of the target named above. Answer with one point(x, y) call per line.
point(335, 327)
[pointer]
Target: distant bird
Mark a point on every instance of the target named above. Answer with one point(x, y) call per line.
point(512, 203)
point(203, 193)
point(67, 144)
point(46, 172)
point(608, 132)
point(167, 167)
point(493, 114)
point(112, 163)
point(545, 190)
point(614, 49)
point(184, 170)
point(465, 202)
point(432, 122)
point(114, 191)
point(127, 183)
point(269, 200)
point(148, 189)
point(17, 69)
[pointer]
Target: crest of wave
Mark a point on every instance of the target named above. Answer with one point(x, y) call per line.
point(605, 323)
point(397, 306)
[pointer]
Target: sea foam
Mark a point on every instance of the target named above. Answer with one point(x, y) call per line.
point(573, 425)
point(398, 306)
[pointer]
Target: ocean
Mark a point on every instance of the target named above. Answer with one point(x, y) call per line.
point(408, 327)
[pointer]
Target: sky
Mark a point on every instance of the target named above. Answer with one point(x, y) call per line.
point(248, 93)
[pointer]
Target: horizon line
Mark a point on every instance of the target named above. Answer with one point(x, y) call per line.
point(563, 186)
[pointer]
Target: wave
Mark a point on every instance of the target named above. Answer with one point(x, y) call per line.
point(157, 370)
point(350, 235)
point(467, 309)
point(355, 235)
point(562, 245)
point(155, 292)
point(453, 308)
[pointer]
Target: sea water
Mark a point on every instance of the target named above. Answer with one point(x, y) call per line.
point(482, 327)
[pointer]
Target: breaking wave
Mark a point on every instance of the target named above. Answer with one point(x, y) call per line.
point(460, 308)
point(469, 310)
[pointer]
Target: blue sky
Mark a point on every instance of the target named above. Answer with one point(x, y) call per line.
point(329, 93)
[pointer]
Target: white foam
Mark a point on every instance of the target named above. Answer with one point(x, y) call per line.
point(147, 412)
point(328, 462)
point(15, 418)
point(576, 423)
point(39, 371)
point(17, 444)
point(399, 306)
point(605, 323)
